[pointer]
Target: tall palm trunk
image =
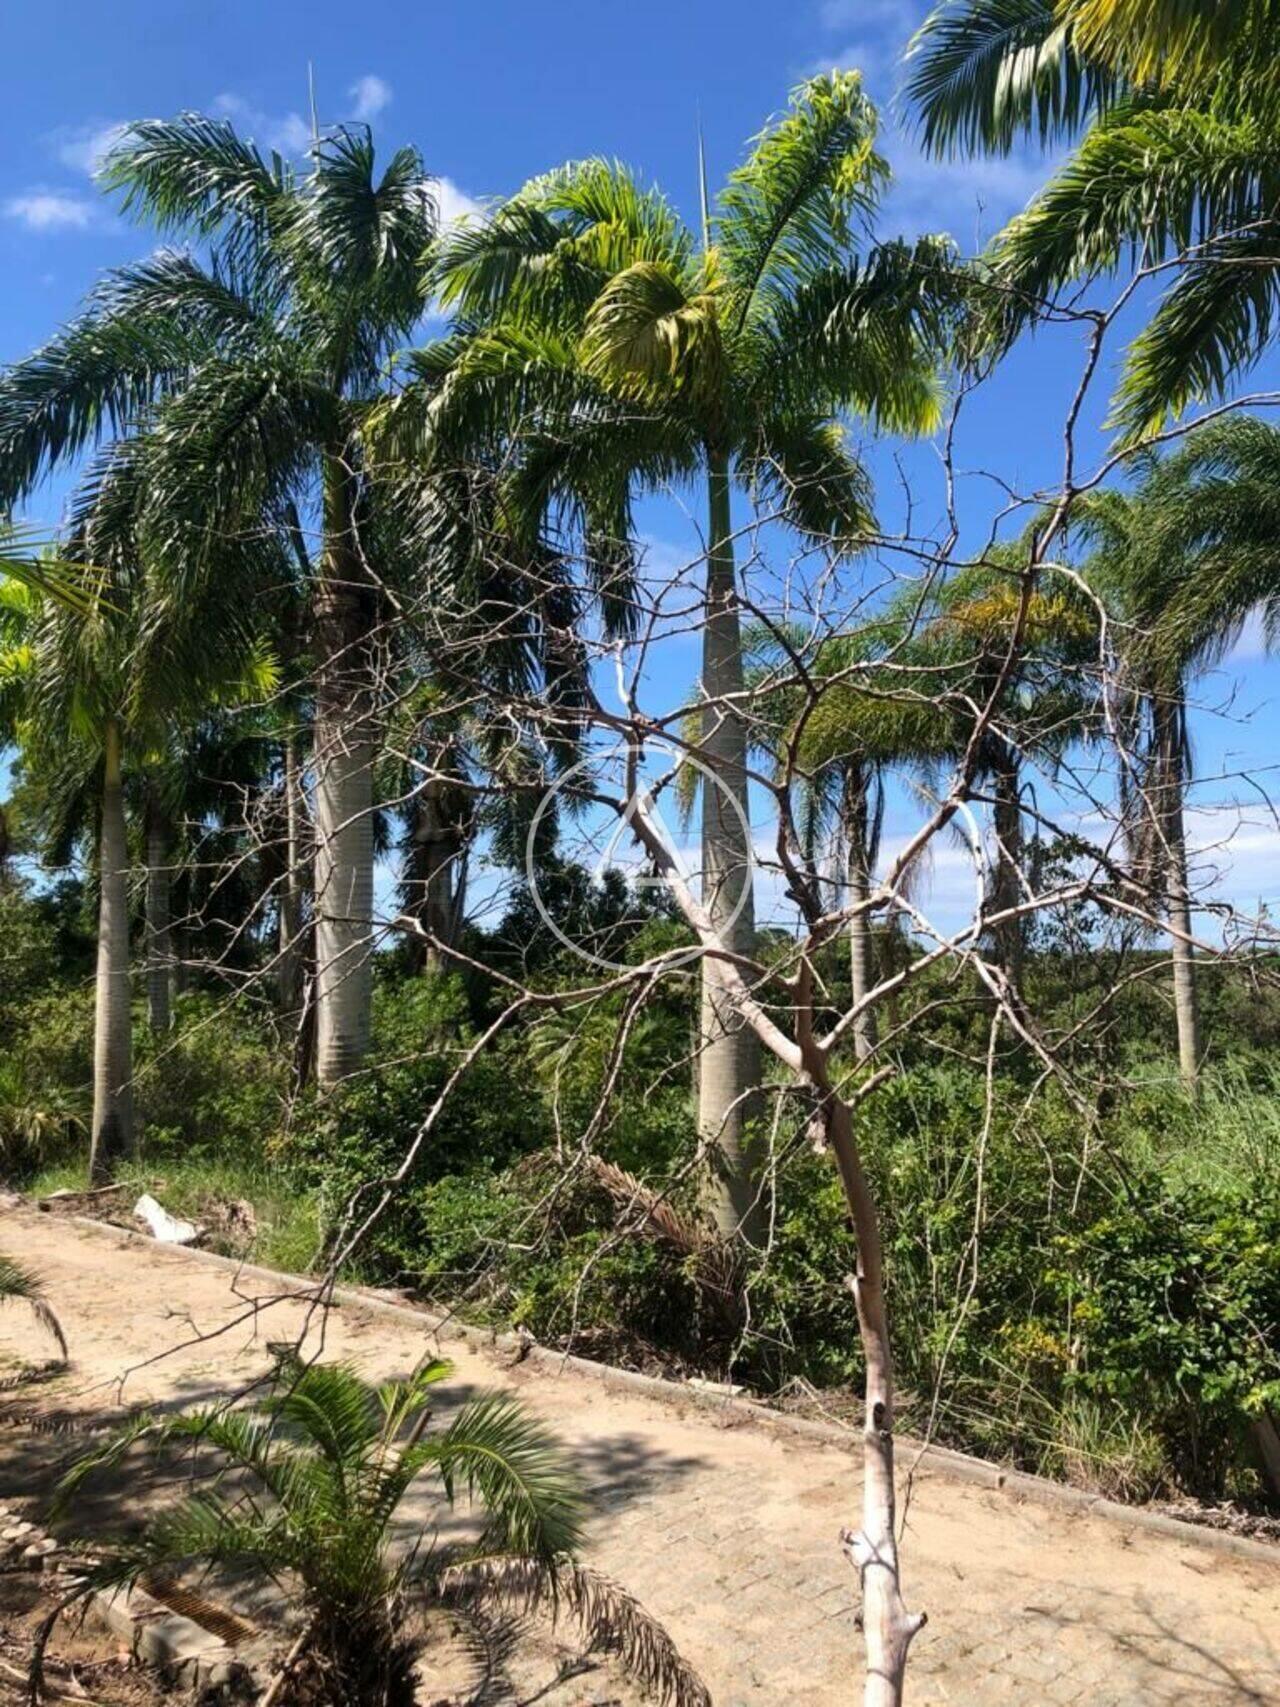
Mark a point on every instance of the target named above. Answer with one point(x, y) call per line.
point(289, 962)
point(159, 948)
point(729, 1071)
point(433, 878)
point(1167, 726)
point(1007, 887)
point(345, 753)
point(857, 835)
point(111, 1134)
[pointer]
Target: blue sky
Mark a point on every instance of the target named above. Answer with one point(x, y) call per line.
point(493, 92)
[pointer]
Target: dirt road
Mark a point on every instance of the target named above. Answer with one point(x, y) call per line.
point(727, 1531)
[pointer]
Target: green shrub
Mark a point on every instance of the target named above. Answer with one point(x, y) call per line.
point(212, 1087)
point(347, 1143)
point(1172, 1306)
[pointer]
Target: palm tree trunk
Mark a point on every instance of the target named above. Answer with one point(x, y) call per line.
point(111, 1135)
point(289, 963)
point(729, 1055)
point(436, 851)
point(861, 945)
point(1167, 721)
point(345, 753)
point(1007, 888)
point(159, 948)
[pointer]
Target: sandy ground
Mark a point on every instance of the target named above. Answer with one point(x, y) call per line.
point(725, 1530)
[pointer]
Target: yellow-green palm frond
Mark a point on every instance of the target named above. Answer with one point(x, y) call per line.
point(649, 334)
point(789, 211)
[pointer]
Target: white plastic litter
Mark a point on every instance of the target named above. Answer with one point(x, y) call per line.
point(165, 1227)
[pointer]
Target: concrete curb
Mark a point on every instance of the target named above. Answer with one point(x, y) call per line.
point(178, 1646)
point(940, 1460)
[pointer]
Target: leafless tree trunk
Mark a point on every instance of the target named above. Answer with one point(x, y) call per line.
point(434, 859)
point(111, 1133)
point(729, 1051)
point(1006, 888)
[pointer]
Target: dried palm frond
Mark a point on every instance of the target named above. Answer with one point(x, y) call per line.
point(611, 1619)
point(716, 1267)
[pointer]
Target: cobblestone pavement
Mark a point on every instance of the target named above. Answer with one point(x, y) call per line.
point(723, 1528)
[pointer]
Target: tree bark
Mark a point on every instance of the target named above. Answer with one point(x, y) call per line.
point(345, 753)
point(888, 1628)
point(1167, 720)
point(289, 962)
point(159, 946)
point(1007, 887)
point(729, 1052)
point(861, 944)
point(434, 858)
point(111, 1133)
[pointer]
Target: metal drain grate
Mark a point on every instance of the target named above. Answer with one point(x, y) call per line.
point(216, 1619)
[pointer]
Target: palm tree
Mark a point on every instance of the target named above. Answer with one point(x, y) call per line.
point(319, 1470)
point(1178, 159)
point(640, 352)
point(253, 375)
point(899, 694)
point(1184, 558)
point(842, 743)
point(110, 683)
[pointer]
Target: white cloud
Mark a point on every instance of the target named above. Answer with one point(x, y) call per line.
point(50, 210)
point(453, 203)
point(84, 148)
point(369, 95)
point(870, 58)
point(287, 133)
point(970, 198)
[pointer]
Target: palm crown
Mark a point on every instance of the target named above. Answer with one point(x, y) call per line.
point(1178, 160)
point(599, 308)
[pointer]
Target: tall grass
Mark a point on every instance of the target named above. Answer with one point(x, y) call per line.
point(288, 1219)
point(1226, 1138)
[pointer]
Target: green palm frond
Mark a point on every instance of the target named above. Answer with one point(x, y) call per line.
point(867, 335)
point(984, 73)
point(1143, 182)
point(1213, 326)
point(308, 1480)
point(788, 212)
point(98, 376)
point(365, 238)
point(31, 561)
point(603, 196)
point(806, 472)
point(1176, 42)
point(232, 443)
point(649, 334)
point(212, 305)
point(502, 1457)
point(195, 175)
point(17, 1282)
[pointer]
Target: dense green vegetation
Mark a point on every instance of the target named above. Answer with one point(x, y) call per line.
point(1082, 1298)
